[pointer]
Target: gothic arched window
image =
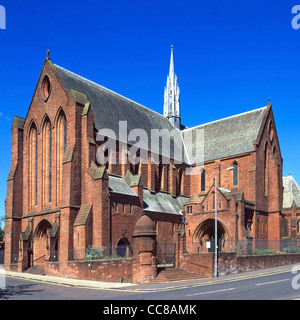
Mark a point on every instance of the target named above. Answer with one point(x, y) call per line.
point(266, 169)
point(47, 161)
point(213, 200)
point(61, 145)
point(235, 174)
point(33, 166)
point(180, 181)
point(203, 180)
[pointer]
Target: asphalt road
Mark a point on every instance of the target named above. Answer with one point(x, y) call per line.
point(281, 284)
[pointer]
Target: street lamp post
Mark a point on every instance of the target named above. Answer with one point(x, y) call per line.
point(216, 221)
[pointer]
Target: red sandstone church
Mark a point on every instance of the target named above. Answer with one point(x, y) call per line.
point(61, 200)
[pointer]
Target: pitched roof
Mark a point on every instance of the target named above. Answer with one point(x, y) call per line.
point(291, 192)
point(222, 138)
point(83, 215)
point(119, 185)
point(110, 107)
point(19, 121)
point(163, 202)
point(230, 136)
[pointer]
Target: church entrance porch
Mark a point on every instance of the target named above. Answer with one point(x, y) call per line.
point(204, 237)
point(40, 248)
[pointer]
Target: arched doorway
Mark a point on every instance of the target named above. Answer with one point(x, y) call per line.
point(205, 235)
point(123, 248)
point(41, 242)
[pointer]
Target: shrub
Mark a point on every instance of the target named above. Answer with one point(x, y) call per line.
point(265, 251)
point(94, 253)
point(113, 256)
point(291, 250)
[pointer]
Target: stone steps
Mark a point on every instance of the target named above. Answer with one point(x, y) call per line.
point(39, 269)
point(175, 274)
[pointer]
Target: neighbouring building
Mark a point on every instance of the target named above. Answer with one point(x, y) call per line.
point(290, 227)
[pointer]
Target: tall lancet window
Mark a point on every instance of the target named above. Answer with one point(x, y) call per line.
point(235, 174)
point(33, 166)
point(47, 161)
point(203, 180)
point(266, 169)
point(61, 144)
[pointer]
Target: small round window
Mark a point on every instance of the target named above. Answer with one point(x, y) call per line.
point(46, 88)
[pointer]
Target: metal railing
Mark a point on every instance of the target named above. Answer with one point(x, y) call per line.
point(95, 253)
point(246, 246)
point(166, 254)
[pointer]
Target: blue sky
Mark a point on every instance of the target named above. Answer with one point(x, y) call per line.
point(230, 57)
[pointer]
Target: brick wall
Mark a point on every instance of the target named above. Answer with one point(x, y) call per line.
point(109, 270)
point(229, 263)
point(125, 212)
point(201, 263)
point(165, 225)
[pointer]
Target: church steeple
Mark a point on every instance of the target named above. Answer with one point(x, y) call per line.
point(171, 97)
point(171, 70)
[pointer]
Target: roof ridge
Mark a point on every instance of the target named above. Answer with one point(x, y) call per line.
point(226, 118)
point(292, 189)
point(108, 90)
point(291, 178)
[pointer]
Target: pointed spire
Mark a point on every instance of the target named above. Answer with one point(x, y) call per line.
point(172, 96)
point(172, 70)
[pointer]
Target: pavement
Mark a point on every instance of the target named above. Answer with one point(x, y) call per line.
point(144, 287)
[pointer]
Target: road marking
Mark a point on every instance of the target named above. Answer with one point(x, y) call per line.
point(271, 282)
point(208, 283)
point(207, 292)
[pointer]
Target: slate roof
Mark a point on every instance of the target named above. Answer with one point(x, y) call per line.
point(119, 185)
point(291, 192)
point(230, 136)
point(222, 138)
point(82, 215)
point(110, 107)
point(162, 202)
point(19, 121)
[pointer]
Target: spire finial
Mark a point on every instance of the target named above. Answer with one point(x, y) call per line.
point(269, 103)
point(171, 96)
point(47, 54)
point(171, 71)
